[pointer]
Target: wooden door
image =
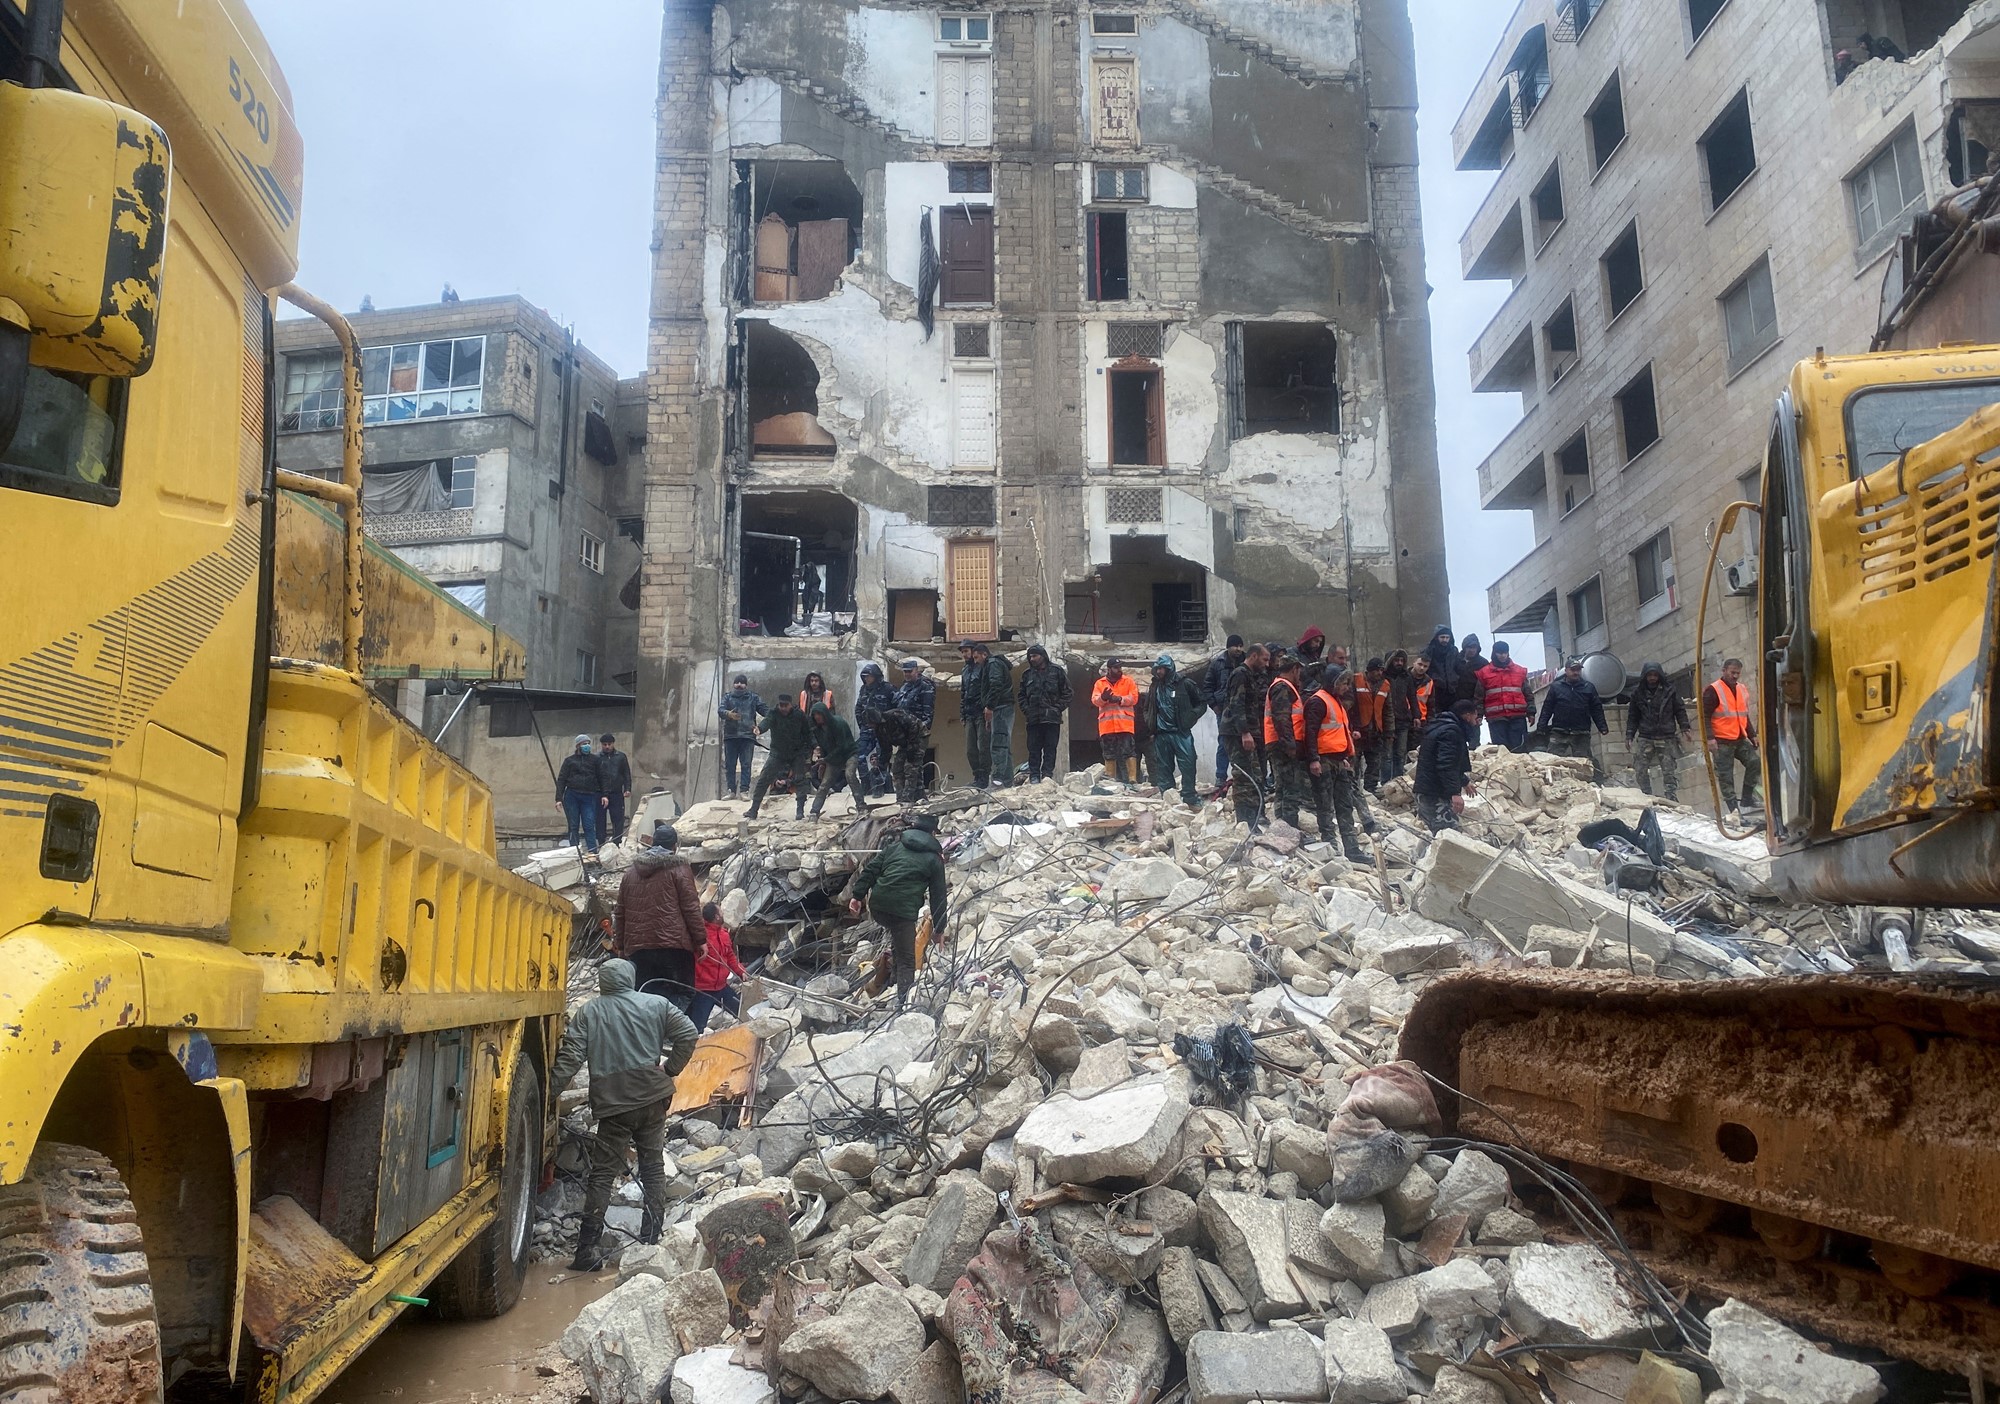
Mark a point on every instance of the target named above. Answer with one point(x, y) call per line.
point(965, 100)
point(1115, 102)
point(969, 568)
point(967, 255)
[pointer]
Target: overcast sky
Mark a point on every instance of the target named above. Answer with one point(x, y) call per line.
point(503, 146)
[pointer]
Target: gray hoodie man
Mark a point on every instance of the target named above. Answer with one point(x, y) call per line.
point(634, 1043)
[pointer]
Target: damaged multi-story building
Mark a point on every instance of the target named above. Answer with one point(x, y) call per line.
point(1691, 196)
point(1099, 327)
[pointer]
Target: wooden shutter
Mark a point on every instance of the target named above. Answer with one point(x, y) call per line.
point(969, 567)
point(978, 101)
point(1115, 102)
point(967, 254)
point(774, 260)
point(822, 256)
point(972, 419)
point(950, 100)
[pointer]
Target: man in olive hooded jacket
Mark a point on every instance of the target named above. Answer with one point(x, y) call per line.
point(895, 884)
point(634, 1043)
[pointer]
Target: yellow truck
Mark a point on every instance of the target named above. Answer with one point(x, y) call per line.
point(274, 1023)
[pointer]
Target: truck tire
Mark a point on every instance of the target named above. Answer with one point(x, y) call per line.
point(76, 1295)
point(485, 1279)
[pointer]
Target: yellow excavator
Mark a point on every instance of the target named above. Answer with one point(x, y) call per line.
point(275, 1025)
point(1826, 1146)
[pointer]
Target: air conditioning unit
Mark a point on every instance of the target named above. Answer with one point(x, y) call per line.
point(1742, 576)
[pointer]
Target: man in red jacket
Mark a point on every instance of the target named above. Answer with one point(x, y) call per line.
point(713, 969)
point(657, 923)
point(1505, 698)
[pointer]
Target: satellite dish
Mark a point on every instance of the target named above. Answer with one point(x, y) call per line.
point(1604, 672)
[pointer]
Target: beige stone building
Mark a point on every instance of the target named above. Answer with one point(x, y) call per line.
point(1691, 196)
point(1102, 327)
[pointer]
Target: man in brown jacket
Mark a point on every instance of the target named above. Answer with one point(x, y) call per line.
point(657, 925)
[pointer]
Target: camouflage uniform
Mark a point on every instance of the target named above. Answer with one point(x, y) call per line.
point(1662, 753)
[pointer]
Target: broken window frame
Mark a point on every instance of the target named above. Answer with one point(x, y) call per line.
point(1622, 403)
point(969, 217)
point(1615, 308)
point(460, 393)
point(1104, 284)
point(1746, 340)
point(1739, 105)
point(1237, 386)
point(590, 552)
point(1155, 408)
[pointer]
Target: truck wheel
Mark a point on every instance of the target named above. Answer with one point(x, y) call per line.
point(485, 1279)
point(76, 1296)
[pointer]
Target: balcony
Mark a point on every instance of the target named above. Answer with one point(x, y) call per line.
point(1503, 359)
point(1518, 601)
point(1514, 477)
point(1494, 245)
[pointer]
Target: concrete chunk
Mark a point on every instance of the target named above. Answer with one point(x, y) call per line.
point(1359, 1234)
point(1514, 896)
point(1570, 1292)
point(1281, 1367)
point(1249, 1237)
point(859, 1352)
point(1181, 1297)
point(1361, 1364)
point(1475, 1186)
point(957, 1224)
point(1763, 1362)
point(624, 1343)
point(1395, 1306)
point(1124, 1132)
point(1302, 1151)
point(1459, 1288)
point(707, 1377)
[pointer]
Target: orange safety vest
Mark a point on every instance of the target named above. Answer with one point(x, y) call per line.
point(1117, 705)
point(1420, 696)
point(1333, 737)
point(1506, 690)
point(1297, 729)
point(806, 703)
point(1370, 702)
point(1732, 712)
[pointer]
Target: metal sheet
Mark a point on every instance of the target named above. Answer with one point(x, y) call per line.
point(722, 1071)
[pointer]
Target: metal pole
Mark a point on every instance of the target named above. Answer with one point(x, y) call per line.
point(350, 466)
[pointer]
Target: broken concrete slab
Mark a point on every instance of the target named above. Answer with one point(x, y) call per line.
point(707, 1377)
point(1570, 1293)
point(1467, 884)
point(1301, 1151)
point(1764, 1362)
point(932, 1378)
point(862, 1349)
point(1127, 1131)
point(1268, 1367)
point(1249, 1236)
point(624, 1344)
point(1101, 1067)
point(1361, 1365)
point(960, 1216)
point(1145, 880)
point(1475, 1186)
point(1459, 1288)
point(1181, 1299)
point(1358, 1232)
point(698, 1306)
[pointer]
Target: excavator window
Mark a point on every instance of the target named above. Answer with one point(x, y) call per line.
point(1886, 421)
point(68, 440)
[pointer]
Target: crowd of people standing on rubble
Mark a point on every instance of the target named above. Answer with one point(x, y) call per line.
point(1299, 726)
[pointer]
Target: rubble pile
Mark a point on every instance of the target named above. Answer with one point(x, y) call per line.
point(1142, 1128)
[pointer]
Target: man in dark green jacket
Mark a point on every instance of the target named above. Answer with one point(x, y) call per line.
point(791, 747)
point(1172, 706)
point(833, 743)
point(634, 1043)
point(895, 884)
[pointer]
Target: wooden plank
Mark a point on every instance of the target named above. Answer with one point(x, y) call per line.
point(722, 1071)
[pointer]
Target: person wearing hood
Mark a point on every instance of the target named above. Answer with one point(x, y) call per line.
point(906, 730)
point(634, 1044)
point(1286, 744)
point(1045, 701)
point(1173, 705)
point(1311, 651)
point(739, 709)
point(791, 749)
point(656, 922)
point(1656, 722)
point(834, 745)
point(1503, 694)
point(1470, 660)
point(1402, 720)
point(1446, 666)
point(1215, 692)
point(871, 758)
point(580, 795)
point(895, 884)
point(1570, 708)
point(1444, 768)
point(986, 706)
point(1116, 698)
point(1243, 733)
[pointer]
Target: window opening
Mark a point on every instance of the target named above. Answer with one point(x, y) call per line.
point(1887, 187)
point(1109, 278)
point(797, 563)
point(1559, 338)
point(972, 341)
point(781, 395)
point(1138, 430)
point(913, 616)
point(1144, 594)
point(70, 439)
point(1701, 14)
point(592, 553)
point(1283, 378)
point(1638, 414)
point(1586, 609)
point(805, 228)
point(1606, 123)
point(1573, 470)
point(1728, 155)
point(1134, 339)
point(1547, 204)
point(1750, 316)
point(1653, 572)
point(1624, 278)
point(965, 28)
point(1119, 182)
point(969, 178)
point(1573, 17)
point(966, 253)
point(1970, 136)
point(1114, 24)
point(312, 392)
point(586, 668)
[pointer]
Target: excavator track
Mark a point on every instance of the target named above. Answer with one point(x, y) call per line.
point(1826, 1148)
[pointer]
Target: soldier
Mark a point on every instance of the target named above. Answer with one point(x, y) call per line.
point(1656, 722)
point(871, 760)
point(1243, 730)
point(1285, 737)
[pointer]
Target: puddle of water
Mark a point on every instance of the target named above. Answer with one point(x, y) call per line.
point(420, 1360)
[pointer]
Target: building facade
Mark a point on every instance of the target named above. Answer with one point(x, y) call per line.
point(1692, 195)
point(1103, 328)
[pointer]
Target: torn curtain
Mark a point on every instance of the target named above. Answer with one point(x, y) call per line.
point(927, 274)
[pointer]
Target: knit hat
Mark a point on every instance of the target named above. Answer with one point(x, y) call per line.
point(1233, 641)
point(1500, 646)
point(927, 823)
point(582, 740)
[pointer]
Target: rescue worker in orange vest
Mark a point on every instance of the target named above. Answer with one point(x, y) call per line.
point(1287, 745)
point(1373, 727)
point(1732, 735)
point(1116, 698)
point(1504, 697)
point(1331, 752)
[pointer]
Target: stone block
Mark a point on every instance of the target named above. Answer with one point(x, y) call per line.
point(1514, 896)
point(1127, 1131)
point(624, 1344)
point(1408, 1204)
point(1181, 1299)
point(932, 1378)
point(861, 1350)
point(1764, 1362)
point(1361, 1364)
point(1359, 1233)
point(698, 1307)
point(959, 1218)
point(1459, 1288)
point(1104, 1066)
point(1249, 1236)
point(1475, 1186)
point(1456, 1386)
point(1302, 1151)
point(1270, 1367)
point(1395, 1306)
point(1570, 1293)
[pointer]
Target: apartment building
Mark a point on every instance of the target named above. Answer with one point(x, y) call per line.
point(1102, 327)
point(1691, 196)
